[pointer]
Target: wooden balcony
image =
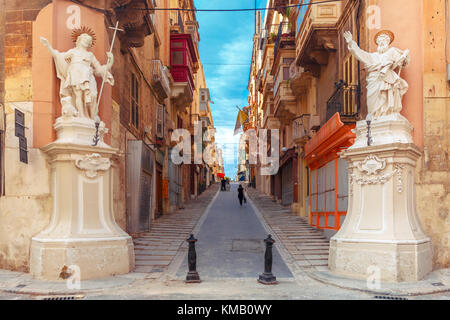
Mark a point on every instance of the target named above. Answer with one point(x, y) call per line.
point(183, 58)
point(285, 103)
point(317, 36)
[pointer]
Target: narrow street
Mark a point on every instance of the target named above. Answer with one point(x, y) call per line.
point(230, 242)
point(230, 257)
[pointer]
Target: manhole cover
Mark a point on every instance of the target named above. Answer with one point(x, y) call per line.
point(76, 297)
point(390, 298)
point(247, 245)
point(437, 284)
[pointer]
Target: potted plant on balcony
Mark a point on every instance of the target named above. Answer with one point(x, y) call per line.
point(272, 37)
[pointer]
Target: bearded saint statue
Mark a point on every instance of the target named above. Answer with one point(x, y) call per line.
point(385, 88)
point(76, 69)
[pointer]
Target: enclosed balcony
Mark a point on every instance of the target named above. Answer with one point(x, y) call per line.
point(284, 55)
point(316, 34)
point(160, 80)
point(284, 99)
point(176, 22)
point(182, 67)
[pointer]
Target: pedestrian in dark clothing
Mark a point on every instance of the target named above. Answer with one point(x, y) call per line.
point(222, 187)
point(241, 194)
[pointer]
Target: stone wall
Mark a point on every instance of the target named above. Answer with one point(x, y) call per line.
point(432, 174)
point(26, 205)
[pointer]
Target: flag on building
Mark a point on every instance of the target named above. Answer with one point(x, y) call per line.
point(240, 119)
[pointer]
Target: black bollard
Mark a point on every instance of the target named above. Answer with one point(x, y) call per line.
point(192, 275)
point(267, 277)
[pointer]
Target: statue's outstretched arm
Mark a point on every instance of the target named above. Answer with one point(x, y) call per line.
point(46, 44)
point(355, 50)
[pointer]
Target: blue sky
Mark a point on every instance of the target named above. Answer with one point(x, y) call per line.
point(225, 51)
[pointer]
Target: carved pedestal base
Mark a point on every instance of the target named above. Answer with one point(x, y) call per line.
point(381, 231)
point(76, 130)
point(82, 230)
point(393, 128)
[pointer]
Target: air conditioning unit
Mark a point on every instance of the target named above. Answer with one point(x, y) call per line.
point(139, 187)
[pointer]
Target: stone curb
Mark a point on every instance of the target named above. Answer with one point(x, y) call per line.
point(16, 282)
point(52, 286)
point(390, 289)
point(175, 265)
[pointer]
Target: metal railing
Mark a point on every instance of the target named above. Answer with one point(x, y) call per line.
point(344, 100)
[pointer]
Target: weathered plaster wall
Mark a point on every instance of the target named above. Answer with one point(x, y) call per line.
point(432, 174)
point(26, 206)
point(421, 27)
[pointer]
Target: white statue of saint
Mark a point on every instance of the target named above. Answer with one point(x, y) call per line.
point(77, 69)
point(385, 88)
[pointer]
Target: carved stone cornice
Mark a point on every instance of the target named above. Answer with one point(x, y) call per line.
point(134, 20)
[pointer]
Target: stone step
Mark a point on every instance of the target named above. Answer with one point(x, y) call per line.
point(161, 263)
point(153, 258)
point(146, 251)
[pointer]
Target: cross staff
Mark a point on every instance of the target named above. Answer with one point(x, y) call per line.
point(110, 50)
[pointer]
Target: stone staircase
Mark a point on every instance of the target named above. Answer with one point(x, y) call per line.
point(155, 250)
point(307, 245)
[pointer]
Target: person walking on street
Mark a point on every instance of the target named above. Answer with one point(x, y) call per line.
point(222, 187)
point(241, 194)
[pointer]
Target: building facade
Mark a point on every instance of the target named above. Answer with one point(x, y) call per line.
point(159, 82)
point(305, 83)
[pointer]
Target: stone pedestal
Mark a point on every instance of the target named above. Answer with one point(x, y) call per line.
point(82, 230)
point(382, 229)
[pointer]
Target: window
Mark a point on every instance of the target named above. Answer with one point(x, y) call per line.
point(134, 101)
point(350, 78)
point(329, 194)
point(160, 121)
point(301, 14)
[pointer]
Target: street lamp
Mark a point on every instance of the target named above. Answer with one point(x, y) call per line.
point(369, 137)
point(96, 137)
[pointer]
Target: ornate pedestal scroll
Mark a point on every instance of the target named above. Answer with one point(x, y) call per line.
point(381, 229)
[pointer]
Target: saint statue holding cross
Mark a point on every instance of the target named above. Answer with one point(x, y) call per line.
point(77, 69)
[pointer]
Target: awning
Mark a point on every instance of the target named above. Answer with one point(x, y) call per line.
point(332, 138)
